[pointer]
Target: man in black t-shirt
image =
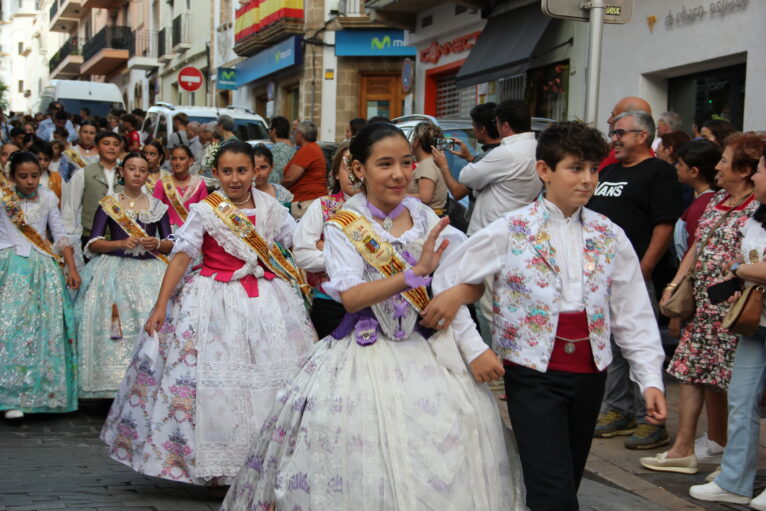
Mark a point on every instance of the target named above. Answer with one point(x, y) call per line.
point(642, 195)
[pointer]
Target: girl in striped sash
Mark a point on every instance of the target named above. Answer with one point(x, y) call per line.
point(180, 189)
point(121, 279)
point(37, 358)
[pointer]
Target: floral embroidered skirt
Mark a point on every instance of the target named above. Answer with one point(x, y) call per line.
point(115, 299)
point(380, 427)
point(196, 394)
point(37, 353)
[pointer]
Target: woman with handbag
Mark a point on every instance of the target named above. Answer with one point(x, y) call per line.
point(740, 459)
point(705, 355)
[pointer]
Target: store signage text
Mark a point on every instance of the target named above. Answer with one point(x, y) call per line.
point(372, 43)
point(436, 51)
point(687, 16)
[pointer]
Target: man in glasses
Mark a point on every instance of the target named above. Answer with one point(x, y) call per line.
point(642, 195)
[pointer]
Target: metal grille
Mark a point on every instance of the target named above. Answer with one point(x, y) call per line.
point(451, 101)
point(512, 88)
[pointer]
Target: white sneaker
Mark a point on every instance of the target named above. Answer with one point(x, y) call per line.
point(759, 502)
point(707, 451)
point(711, 492)
point(14, 414)
point(712, 475)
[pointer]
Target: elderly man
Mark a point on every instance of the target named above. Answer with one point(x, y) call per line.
point(225, 127)
point(306, 173)
point(641, 194)
point(193, 133)
point(627, 104)
point(206, 132)
point(667, 122)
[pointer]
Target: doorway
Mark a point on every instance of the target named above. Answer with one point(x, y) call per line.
point(381, 95)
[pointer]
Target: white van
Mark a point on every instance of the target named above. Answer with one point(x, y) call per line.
point(99, 98)
point(159, 121)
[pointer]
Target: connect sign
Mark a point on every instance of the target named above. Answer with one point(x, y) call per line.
point(190, 78)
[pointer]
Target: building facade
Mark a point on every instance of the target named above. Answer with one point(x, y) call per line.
point(691, 57)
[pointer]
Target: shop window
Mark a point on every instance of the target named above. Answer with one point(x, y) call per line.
point(715, 94)
point(513, 87)
point(548, 91)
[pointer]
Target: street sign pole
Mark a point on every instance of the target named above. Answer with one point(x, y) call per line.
point(596, 8)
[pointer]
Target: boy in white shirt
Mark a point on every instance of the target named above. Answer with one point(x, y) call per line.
point(565, 277)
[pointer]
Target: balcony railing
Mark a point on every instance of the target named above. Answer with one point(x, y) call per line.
point(54, 9)
point(143, 43)
point(351, 8)
point(181, 32)
point(70, 47)
point(111, 37)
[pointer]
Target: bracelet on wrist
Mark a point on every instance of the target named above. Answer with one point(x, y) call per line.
point(734, 267)
point(414, 281)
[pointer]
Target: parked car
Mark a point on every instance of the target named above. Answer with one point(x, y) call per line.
point(99, 98)
point(247, 125)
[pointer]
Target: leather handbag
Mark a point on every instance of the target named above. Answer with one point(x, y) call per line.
point(744, 316)
point(681, 303)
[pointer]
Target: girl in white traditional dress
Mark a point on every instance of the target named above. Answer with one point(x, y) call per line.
point(37, 353)
point(381, 417)
point(236, 331)
point(121, 279)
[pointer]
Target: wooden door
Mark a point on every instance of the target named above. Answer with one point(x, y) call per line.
point(381, 95)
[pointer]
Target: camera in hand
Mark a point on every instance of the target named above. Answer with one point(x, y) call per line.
point(445, 144)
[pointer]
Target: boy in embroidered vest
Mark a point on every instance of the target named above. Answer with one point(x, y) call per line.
point(565, 277)
point(89, 185)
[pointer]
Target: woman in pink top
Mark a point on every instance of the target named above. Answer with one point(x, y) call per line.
point(180, 189)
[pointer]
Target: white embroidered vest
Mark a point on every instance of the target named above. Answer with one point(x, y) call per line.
point(527, 292)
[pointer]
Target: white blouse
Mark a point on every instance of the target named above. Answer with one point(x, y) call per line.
point(305, 238)
point(345, 266)
point(272, 221)
point(41, 213)
point(753, 246)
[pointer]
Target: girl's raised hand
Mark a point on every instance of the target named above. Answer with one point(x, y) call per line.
point(430, 256)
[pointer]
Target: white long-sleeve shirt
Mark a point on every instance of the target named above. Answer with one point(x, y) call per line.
point(41, 213)
point(503, 180)
point(71, 200)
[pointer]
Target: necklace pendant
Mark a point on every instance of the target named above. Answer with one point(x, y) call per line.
point(569, 348)
point(388, 224)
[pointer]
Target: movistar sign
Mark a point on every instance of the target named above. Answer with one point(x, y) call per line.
point(372, 43)
point(227, 79)
point(280, 56)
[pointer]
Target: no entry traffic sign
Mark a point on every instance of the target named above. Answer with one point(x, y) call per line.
point(190, 78)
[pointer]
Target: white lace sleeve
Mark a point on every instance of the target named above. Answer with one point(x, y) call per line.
point(56, 226)
point(345, 266)
point(188, 238)
point(285, 227)
point(305, 238)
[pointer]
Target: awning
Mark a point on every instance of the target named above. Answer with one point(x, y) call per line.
point(505, 46)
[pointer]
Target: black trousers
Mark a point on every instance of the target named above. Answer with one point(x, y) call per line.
point(553, 415)
point(326, 315)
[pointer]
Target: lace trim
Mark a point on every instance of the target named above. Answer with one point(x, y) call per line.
point(154, 214)
point(88, 253)
point(62, 243)
point(416, 233)
point(35, 211)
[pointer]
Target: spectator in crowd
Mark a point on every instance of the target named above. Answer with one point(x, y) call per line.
point(506, 177)
point(667, 122)
point(717, 130)
point(282, 148)
point(427, 182)
point(485, 131)
point(306, 173)
point(353, 127)
point(627, 104)
point(130, 131)
point(60, 135)
point(699, 121)
point(5, 126)
point(85, 114)
point(734, 482)
point(192, 132)
point(225, 126)
point(28, 127)
point(378, 118)
point(140, 115)
point(641, 194)
point(670, 142)
point(705, 355)
point(206, 132)
point(179, 135)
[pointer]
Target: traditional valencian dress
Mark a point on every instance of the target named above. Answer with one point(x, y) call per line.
point(380, 417)
point(118, 291)
point(37, 353)
point(179, 198)
point(326, 313)
point(237, 331)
